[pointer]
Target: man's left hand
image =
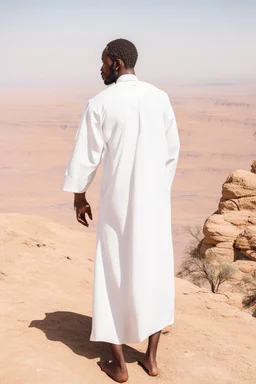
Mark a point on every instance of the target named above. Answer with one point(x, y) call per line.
point(82, 208)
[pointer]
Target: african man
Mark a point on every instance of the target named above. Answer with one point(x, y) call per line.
point(130, 127)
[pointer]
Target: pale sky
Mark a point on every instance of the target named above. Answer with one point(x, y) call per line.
point(54, 41)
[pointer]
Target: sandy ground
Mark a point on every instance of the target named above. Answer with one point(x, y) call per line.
point(45, 287)
point(217, 128)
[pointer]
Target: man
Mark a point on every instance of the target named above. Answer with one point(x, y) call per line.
point(131, 128)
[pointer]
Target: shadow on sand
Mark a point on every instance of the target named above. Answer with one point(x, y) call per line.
point(73, 330)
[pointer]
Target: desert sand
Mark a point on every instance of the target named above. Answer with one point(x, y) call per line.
point(46, 287)
point(46, 266)
point(217, 128)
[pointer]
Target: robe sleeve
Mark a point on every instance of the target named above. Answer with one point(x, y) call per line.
point(86, 154)
point(173, 142)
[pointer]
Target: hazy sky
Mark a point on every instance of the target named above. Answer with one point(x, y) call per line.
point(184, 40)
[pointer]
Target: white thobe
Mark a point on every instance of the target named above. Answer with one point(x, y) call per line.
point(131, 127)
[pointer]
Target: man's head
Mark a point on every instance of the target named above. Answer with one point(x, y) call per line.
point(119, 57)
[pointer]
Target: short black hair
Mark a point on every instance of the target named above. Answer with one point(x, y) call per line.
point(124, 50)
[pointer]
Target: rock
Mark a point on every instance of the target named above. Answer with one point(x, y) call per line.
point(239, 192)
point(252, 219)
point(245, 266)
point(204, 247)
point(242, 242)
point(239, 183)
point(225, 245)
point(253, 166)
point(240, 204)
point(239, 219)
point(230, 233)
point(220, 228)
point(221, 254)
point(238, 275)
point(251, 254)
point(246, 241)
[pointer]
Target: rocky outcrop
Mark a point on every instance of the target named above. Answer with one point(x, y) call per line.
point(239, 191)
point(230, 233)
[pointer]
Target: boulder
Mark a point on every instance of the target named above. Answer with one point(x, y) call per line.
point(246, 241)
point(225, 245)
point(239, 183)
point(251, 254)
point(242, 241)
point(221, 254)
point(239, 219)
point(221, 251)
point(253, 166)
point(224, 227)
point(240, 204)
point(246, 266)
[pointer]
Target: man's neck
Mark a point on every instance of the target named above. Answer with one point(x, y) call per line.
point(124, 71)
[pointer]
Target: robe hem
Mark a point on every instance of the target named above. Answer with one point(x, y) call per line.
point(130, 341)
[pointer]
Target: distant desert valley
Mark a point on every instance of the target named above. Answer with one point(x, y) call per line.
point(46, 269)
point(217, 127)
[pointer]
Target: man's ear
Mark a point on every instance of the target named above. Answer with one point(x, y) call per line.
point(118, 64)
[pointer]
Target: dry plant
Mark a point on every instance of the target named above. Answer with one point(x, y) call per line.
point(199, 269)
point(249, 300)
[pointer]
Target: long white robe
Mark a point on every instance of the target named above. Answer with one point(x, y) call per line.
point(131, 127)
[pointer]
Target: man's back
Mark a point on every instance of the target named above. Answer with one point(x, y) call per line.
point(128, 101)
point(135, 117)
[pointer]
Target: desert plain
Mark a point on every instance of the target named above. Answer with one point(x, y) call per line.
point(46, 268)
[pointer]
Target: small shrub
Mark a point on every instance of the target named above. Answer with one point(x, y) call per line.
point(249, 300)
point(199, 269)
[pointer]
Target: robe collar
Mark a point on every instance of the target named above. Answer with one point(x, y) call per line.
point(127, 77)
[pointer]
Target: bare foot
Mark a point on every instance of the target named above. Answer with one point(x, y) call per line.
point(114, 371)
point(149, 365)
